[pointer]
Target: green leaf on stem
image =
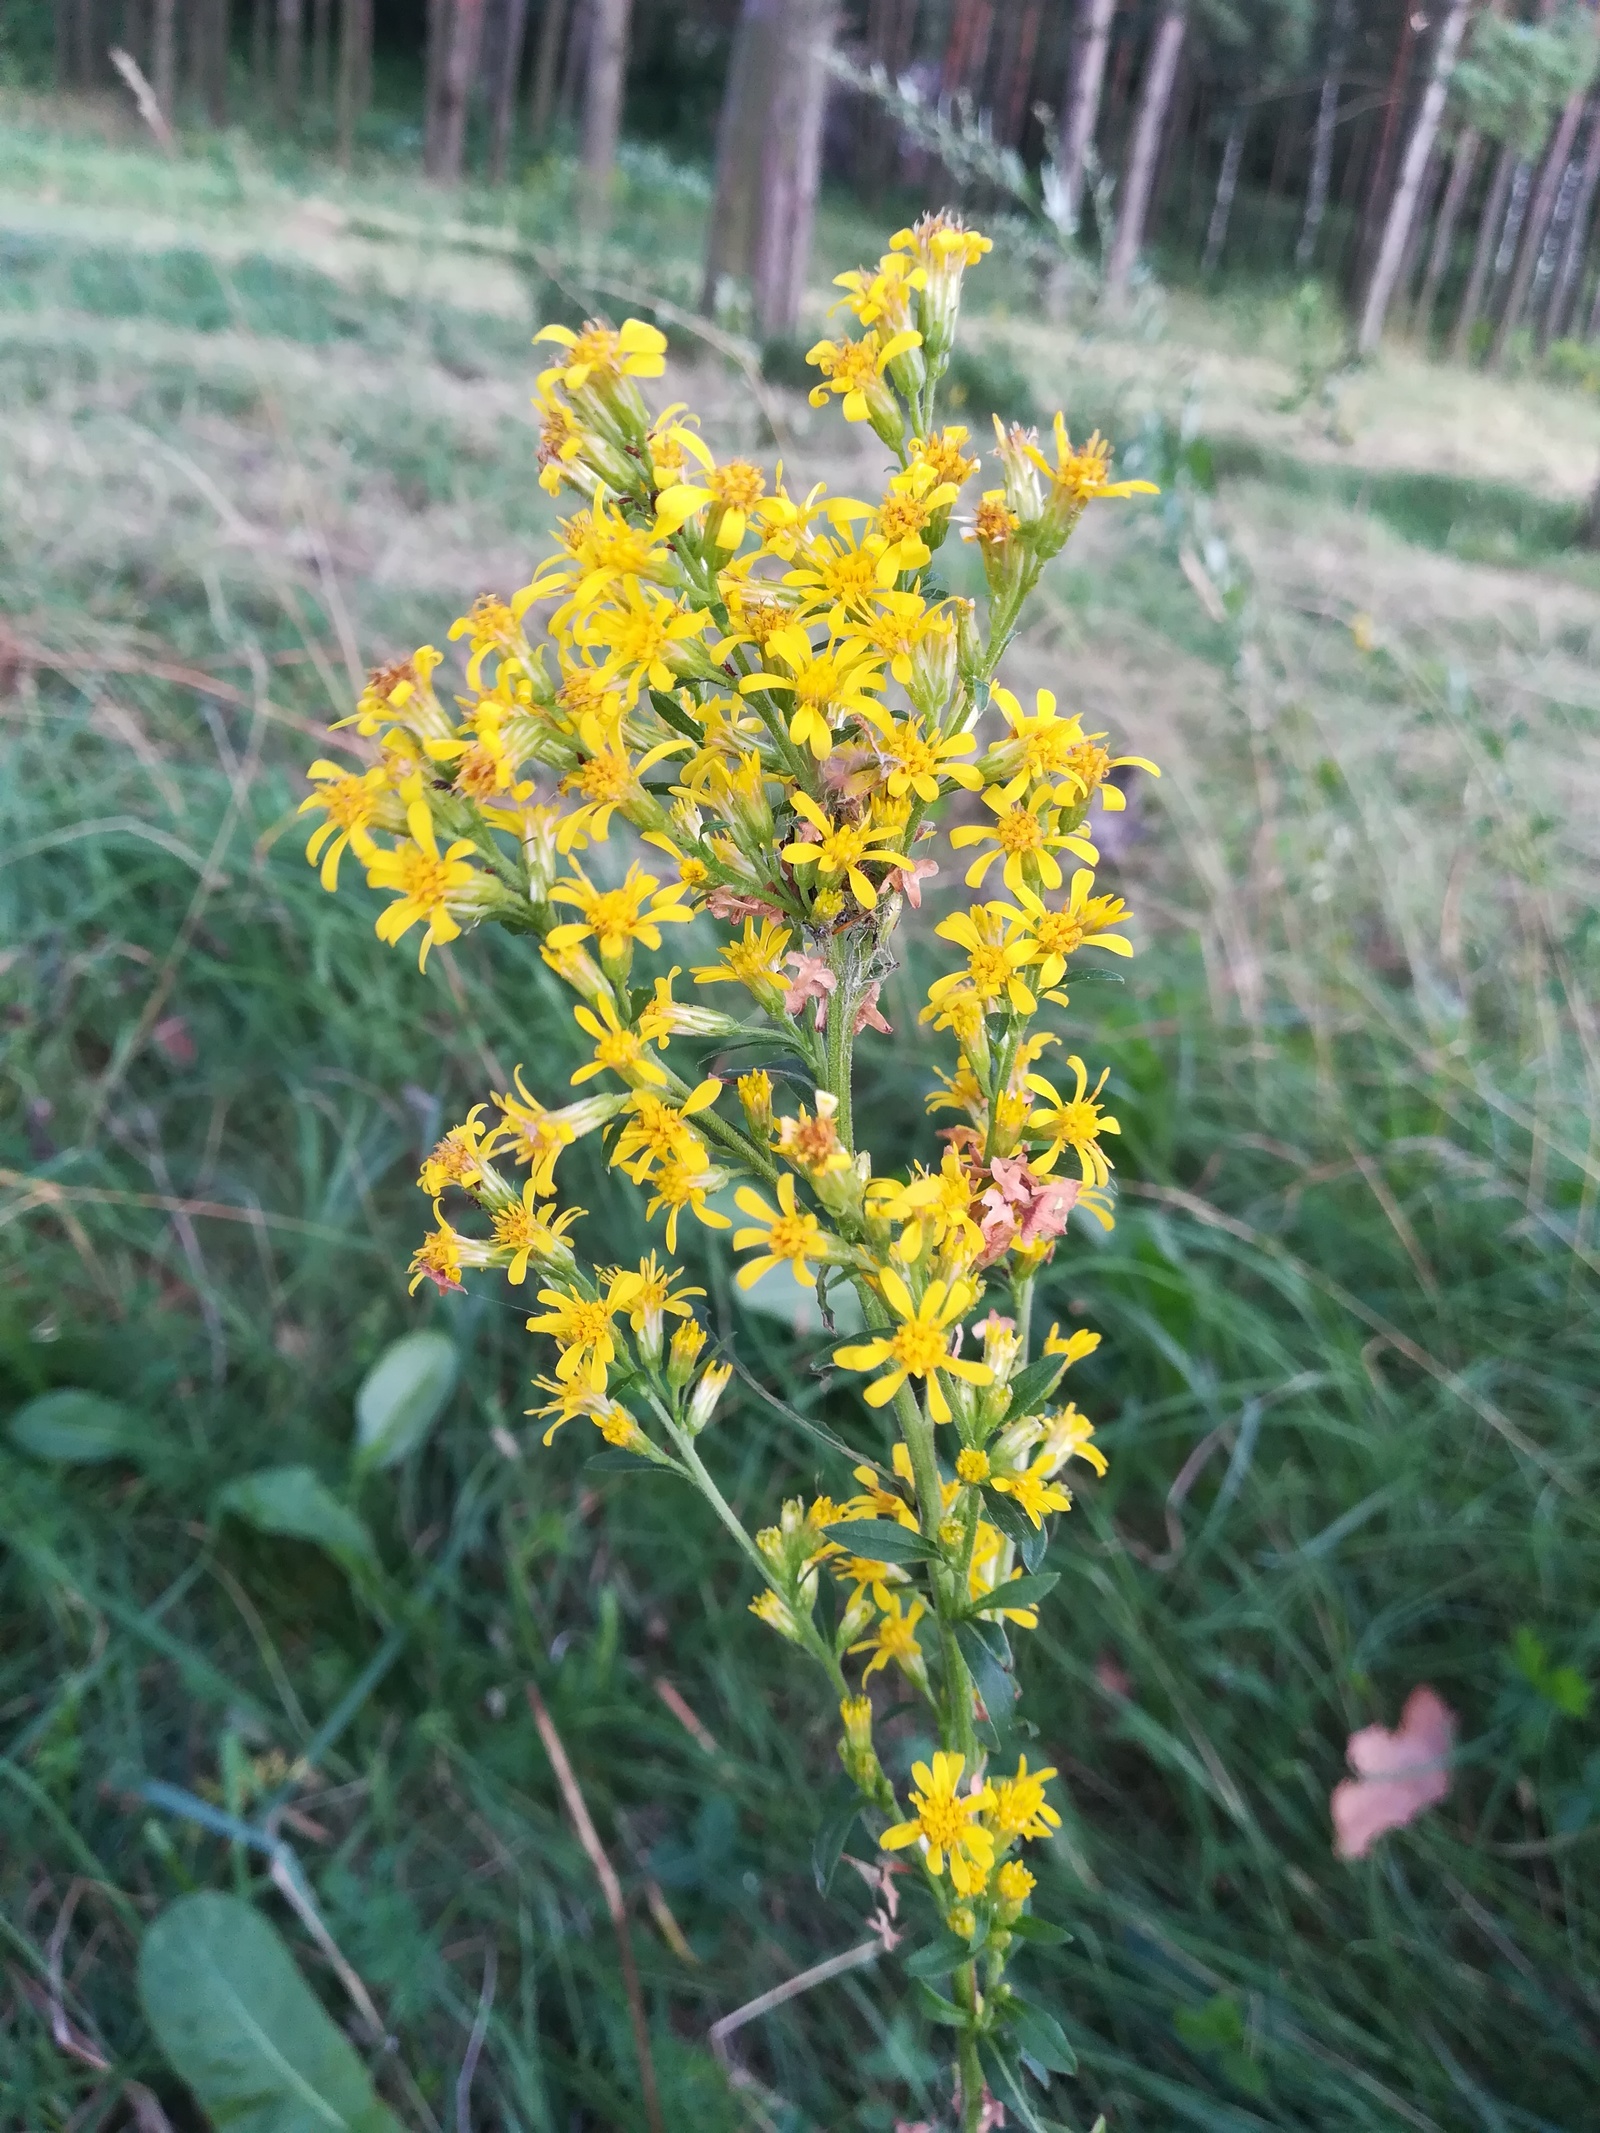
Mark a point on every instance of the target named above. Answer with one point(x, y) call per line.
point(1017, 1526)
point(940, 1956)
point(936, 2007)
point(1041, 2036)
point(1034, 1384)
point(996, 1684)
point(1040, 1931)
point(402, 1396)
point(75, 1428)
point(294, 1502)
point(672, 711)
point(881, 1540)
point(1004, 2076)
point(832, 1837)
point(1020, 1592)
point(613, 1460)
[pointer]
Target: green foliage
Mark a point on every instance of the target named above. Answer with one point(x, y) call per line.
point(402, 1396)
point(76, 1428)
point(292, 1501)
point(1517, 75)
point(239, 2023)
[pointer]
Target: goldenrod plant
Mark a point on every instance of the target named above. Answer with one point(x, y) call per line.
point(775, 697)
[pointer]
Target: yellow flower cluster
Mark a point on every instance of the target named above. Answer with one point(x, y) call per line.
point(724, 703)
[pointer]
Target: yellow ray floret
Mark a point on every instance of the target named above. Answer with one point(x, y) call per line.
point(1026, 834)
point(617, 918)
point(1074, 1122)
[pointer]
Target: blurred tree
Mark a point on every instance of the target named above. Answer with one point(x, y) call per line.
point(546, 70)
point(769, 156)
point(355, 72)
point(290, 31)
point(1323, 140)
point(1155, 93)
point(1568, 274)
point(1580, 55)
point(1407, 194)
point(508, 69)
point(164, 56)
point(1081, 104)
point(602, 104)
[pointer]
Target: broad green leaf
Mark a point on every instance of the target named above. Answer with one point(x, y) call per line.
point(238, 2022)
point(1004, 2076)
point(997, 1685)
point(403, 1395)
point(834, 1834)
point(883, 1540)
point(936, 2007)
point(292, 1501)
point(1042, 1931)
point(77, 1428)
point(1031, 1540)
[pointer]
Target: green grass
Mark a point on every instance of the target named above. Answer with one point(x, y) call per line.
point(1355, 1262)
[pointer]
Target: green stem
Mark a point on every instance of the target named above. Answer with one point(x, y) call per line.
point(918, 1433)
point(968, 2070)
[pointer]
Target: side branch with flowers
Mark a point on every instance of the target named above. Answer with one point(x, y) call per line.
point(773, 696)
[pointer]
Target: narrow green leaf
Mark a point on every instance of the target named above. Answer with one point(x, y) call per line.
point(673, 712)
point(1020, 1592)
point(1041, 2036)
point(834, 1834)
point(1004, 2076)
point(1040, 1931)
point(76, 1428)
point(996, 1684)
point(936, 2007)
point(292, 1501)
point(881, 1540)
point(238, 2022)
point(1033, 1384)
point(1017, 1526)
point(403, 1395)
point(614, 1460)
point(940, 1956)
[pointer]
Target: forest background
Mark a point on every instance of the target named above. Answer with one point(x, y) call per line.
point(1331, 276)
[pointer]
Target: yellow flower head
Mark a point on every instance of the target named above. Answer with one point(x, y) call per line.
point(1017, 1805)
point(946, 1824)
point(1074, 1122)
point(919, 1346)
point(1025, 833)
point(785, 1233)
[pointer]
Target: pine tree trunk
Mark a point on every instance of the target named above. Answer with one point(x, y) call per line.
point(289, 34)
point(1323, 139)
point(1408, 192)
point(1563, 294)
point(1227, 186)
point(769, 157)
point(355, 73)
point(261, 52)
point(434, 59)
point(575, 64)
point(321, 50)
point(1374, 216)
point(459, 70)
point(891, 26)
point(505, 88)
point(164, 56)
point(1083, 104)
point(1011, 97)
point(602, 105)
point(967, 48)
point(546, 70)
point(1462, 165)
point(1155, 93)
point(1416, 236)
point(1490, 224)
point(1536, 223)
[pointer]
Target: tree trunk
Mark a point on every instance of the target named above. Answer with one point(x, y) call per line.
point(575, 65)
point(1564, 293)
point(546, 70)
point(1462, 165)
point(289, 31)
point(261, 52)
point(164, 56)
point(1380, 199)
point(1490, 224)
point(1416, 236)
point(1536, 223)
point(321, 50)
point(891, 28)
point(1083, 104)
point(1155, 93)
point(1403, 208)
point(1011, 94)
point(1227, 186)
point(1323, 139)
point(459, 69)
point(967, 48)
point(602, 105)
point(355, 73)
point(769, 157)
point(435, 51)
point(505, 90)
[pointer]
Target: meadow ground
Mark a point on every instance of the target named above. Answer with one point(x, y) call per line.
point(264, 427)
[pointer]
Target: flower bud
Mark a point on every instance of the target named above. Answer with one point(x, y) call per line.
point(684, 1353)
point(703, 1400)
point(755, 1095)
